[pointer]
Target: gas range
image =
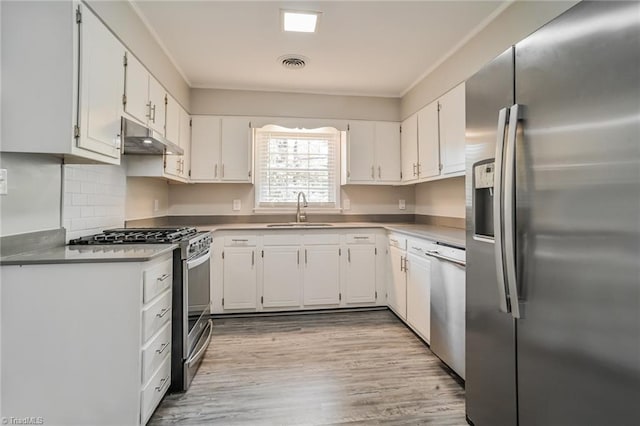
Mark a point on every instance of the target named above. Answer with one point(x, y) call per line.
point(192, 242)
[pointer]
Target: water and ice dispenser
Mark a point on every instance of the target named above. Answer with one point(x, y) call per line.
point(483, 183)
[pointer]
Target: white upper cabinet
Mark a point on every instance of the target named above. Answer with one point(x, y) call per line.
point(428, 142)
point(452, 130)
point(172, 122)
point(373, 153)
point(144, 97)
point(220, 149)
point(235, 149)
point(433, 139)
point(360, 152)
point(409, 149)
point(205, 148)
point(61, 82)
point(100, 81)
point(387, 149)
point(178, 131)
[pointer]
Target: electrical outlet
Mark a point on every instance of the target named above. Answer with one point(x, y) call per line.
point(402, 205)
point(3, 182)
point(346, 204)
point(156, 205)
point(237, 204)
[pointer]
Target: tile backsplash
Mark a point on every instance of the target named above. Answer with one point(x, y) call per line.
point(93, 198)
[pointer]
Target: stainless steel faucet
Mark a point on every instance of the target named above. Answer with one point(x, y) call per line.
point(301, 216)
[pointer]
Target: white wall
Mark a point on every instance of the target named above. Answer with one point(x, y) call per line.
point(34, 193)
point(217, 199)
point(142, 194)
point(278, 104)
point(93, 199)
point(441, 198)
point(516, 22)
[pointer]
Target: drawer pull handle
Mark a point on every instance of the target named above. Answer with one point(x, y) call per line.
point(163, 277)
point(416, 248)
point(163, 312)
point(162, 383)
point(162, 348)
point(360, 238)
point(239, 241)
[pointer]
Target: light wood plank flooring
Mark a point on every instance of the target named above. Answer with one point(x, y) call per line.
point(357, 368)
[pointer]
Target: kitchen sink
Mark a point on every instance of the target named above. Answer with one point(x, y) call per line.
point(297, 225)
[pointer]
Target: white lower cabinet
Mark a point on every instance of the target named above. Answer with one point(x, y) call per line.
point(322, 275)
point(283, 270)
point(281, 277)
point(360, 274)
point(397, 283)
point(99, 350)
point(239, 278)
point(419, 294)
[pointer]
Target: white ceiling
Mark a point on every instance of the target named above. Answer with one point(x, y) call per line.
point(372, 48)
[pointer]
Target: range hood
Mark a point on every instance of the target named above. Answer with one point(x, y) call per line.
point(140, 140)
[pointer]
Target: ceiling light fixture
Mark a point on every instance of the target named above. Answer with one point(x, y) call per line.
point(299, 21)
point(147, 141)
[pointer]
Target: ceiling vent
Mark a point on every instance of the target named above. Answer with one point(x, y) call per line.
point(293, 62)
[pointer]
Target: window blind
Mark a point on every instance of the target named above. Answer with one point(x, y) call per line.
point(291, 162)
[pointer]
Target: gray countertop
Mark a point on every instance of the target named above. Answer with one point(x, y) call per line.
point(452, 236)
point(90, 254)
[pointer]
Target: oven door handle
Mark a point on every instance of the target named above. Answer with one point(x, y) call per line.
point(199, 260)
point(195, 357)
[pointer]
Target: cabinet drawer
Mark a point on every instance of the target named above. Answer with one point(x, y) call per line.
point(157, 279)
point(397, 240)
point(312, 239)
point(156, 315)
point(154, 352)
point(240, 241)
point(361, 239)
point(420, 247)
point(281, 239)
point(155, 389)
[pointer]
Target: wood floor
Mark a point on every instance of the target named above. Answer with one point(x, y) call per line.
point(356, 368)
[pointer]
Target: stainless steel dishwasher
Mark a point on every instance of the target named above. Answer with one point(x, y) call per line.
point(448, 305)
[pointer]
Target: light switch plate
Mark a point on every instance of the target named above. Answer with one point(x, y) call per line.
point(236, 205)
point(346, 204)
point(402, 205)
point(3, 182)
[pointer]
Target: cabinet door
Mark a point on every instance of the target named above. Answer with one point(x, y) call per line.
point(173, 163)
point(452, 128)
point(235, 149)
point(205, 148)
point(387, 148)
point(239, 278)
point(185, 142)
point(100, 88)
point(136, 89)
point(397, 289)
point(419, 294)
point(172, 123)
point(409, 148)
point(360, 154)
point(428, 142)
point(361, 274)
point(158, 108)
point(281, 277)
point(321, 275)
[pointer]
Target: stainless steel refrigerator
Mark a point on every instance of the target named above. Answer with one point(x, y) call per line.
point(553, 225)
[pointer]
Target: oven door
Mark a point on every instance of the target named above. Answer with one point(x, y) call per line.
point(196, 300)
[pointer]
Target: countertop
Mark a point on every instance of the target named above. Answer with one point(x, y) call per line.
point(90, 254)
point(443, 234)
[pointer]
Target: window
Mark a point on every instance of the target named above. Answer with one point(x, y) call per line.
point(289, 161)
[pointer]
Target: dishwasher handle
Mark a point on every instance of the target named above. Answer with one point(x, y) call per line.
point(437, 255)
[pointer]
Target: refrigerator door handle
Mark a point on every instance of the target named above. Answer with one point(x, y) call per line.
point(509, 208)
point(497, 212)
